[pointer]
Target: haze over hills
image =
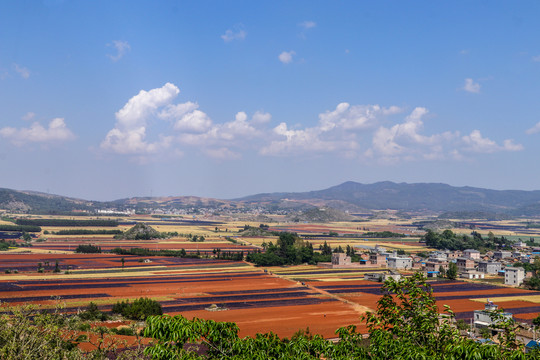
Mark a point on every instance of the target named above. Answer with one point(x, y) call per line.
point(414, 197)
point(351, 196)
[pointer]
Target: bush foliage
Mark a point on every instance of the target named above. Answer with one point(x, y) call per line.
point(139, 309)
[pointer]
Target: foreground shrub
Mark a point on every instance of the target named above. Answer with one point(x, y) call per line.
point(140, 309)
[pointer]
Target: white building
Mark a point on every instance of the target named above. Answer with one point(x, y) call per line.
point(514, 276)
point(395, 262)
point(485, 318)
point(471, 274)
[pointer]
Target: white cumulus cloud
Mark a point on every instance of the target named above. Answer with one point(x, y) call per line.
point(475, 142)
point(471, 86)
point(336, 131)
point(261, 117)
point(195, 121)
point(405, 139)
point(55, 132)
point(286, 57)
point(129, 133)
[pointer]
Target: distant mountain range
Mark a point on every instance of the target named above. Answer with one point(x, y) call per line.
point(350, 196)
point(415, 197)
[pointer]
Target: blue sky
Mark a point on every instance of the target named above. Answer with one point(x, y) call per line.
point(104, 100)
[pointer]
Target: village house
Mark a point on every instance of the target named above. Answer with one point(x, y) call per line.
point(520, 244)
point(489, 267)
point(514, 276)
point(464, 264)
point(471, 254)
point(471, 274)
point(396, 262)
point(340, 259)
point(378, 259)
point(380, 277)
point(435, 265)
point(502, 255)
point(484, 318)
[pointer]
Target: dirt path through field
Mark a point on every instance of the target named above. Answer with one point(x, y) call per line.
point(360, 309)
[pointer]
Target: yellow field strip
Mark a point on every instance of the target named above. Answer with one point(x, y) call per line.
point(120, 273)
point(533, 299)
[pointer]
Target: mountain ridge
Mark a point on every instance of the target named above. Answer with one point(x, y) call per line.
point(348, 196)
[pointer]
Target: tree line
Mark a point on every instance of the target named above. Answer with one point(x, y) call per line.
point(448, 240)
point(289, 249)
point(20, 228)
point(66, 222)
point(86, 232)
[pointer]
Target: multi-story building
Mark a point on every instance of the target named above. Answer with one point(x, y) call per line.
point(471, 254)
point(395, 262)
point(514, 276)
point(485, 319)
point(502, 255)
point(377, 259)
point(464, 264)
point(489, 267)
point(340, 259)
point(435, 265)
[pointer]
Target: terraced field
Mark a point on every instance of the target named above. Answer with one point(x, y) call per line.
point(256, 300)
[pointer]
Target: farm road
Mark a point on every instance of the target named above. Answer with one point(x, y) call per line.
point(360, 309)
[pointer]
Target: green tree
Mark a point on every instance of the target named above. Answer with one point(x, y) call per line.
point(452, 271)
point(536, 321)
point(139, 309)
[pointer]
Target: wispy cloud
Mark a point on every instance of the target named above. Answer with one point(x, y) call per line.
point(471, 86)
point(286, 57)
point(535, 129)
point(121, 47)
point(307, 25)
point(22, 71)
point(28, 116)
point(236, 33)
point(536, 58)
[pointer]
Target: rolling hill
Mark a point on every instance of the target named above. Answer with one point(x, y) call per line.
point(350, 196)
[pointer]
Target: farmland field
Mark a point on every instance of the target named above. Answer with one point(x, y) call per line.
point(278, 299)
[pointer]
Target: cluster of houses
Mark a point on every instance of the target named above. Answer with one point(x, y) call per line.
point(470, 263)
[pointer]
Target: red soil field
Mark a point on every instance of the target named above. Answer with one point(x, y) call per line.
point(108, 244)
point(285, 321)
